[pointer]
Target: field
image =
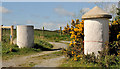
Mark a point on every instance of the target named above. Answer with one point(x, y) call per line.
point(50, 36)
point(41, 43)
point(41, 40)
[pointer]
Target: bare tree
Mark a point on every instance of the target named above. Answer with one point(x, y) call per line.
point(109, 7)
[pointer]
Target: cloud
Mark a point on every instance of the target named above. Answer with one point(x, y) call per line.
point(82, 12)
point(60, 0)
point(30, 22)
point(46, 17)
point(85, 9)
point(63, 12)
point(109, 7)
point(4, 10)
point(39, 17)
point(53, 25)
point(36, 15)
point(14, 22)
point(50, 25)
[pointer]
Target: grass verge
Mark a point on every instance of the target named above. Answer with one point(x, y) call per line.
point(9, 51)
point(82, 64)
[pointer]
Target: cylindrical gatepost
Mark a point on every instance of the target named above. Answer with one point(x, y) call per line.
point(25, 36)
point(96, 30)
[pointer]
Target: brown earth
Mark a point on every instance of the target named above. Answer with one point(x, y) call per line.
point(42, 59)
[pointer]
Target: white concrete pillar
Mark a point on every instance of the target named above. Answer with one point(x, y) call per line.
point(25, 36)
point(96, 30)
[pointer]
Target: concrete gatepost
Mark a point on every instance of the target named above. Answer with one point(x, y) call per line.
point(25, 36)
point(96, 30)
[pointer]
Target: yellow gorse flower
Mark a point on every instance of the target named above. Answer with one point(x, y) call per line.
point(70, 44)
point(75, 58)
point(72, 36)
point(74, 43)
point(118, 36)
point(77, 32)
point(80, 56)
point(72, 52)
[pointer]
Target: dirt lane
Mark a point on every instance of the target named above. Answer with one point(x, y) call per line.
point(36, 59)
point(53, 62)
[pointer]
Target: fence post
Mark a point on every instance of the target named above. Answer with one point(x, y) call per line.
point(11, 39)
point(0, 33)
point(60, 31)
point(43, 31)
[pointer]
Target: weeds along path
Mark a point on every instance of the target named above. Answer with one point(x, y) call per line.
point(42, 59)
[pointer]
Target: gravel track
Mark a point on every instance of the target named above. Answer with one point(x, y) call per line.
point(26, 60)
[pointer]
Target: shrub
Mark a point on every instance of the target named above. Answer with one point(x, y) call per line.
point(66, 30)
point(108, 57)
point(104, 59)
point(76, 45)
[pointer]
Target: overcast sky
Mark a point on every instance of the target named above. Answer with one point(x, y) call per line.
point(51, 15)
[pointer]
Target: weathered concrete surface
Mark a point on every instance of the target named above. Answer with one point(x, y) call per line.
point(96, 12)
point(96, 33)
point(96, 30)
point(15, 41)
point(25, 36)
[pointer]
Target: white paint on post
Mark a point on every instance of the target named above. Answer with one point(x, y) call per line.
point(96, 30)
point(96, 33)
point(25, 36)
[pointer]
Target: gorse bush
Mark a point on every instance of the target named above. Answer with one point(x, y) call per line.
point(109, 56)
point(115, 34)
point(76, 46)
point(104, 59)
point(66, 30)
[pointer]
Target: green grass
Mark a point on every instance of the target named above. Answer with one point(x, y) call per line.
point(40, 43)
point(42, 57)
point(8, 51)
point(71, 63)
point(50, 36)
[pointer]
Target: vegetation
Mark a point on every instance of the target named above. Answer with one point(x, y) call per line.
point(70, 63)
point(115, 34)
point(50, 35)
point(77, 36)
point(13, 50)
point(105, 59)
point(66, 30)
point(40, 43)
point(41, 58)
point(109, 57)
